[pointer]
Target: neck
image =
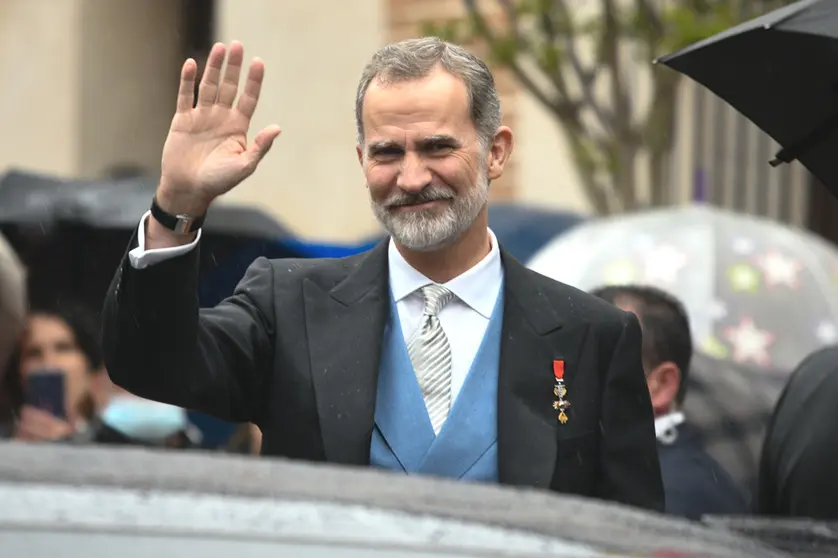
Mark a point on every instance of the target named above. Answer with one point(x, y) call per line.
point(664, 411)
point(448, 262)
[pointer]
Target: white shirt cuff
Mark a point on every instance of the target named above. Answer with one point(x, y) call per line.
point(141, 258)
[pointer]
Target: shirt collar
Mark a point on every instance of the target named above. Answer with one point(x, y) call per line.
point(478, 287)
point(666, 426)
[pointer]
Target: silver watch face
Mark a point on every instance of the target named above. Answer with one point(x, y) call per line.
point(185, 224)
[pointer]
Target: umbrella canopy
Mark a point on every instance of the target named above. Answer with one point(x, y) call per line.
point(731, 405)
point(780, 71)
point(32, 199)
point(758, 293)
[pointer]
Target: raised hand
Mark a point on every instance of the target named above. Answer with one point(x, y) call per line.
point(206, 152)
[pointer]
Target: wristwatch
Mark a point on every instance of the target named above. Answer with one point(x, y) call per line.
point(180, 223)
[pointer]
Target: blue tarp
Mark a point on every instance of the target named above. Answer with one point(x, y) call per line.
point(523, 230)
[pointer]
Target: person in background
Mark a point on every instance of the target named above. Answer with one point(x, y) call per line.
point(13, 309)
point(63, 339)
point(133, 421)
point(694, 483)
point(247, 439)
point(797, 475)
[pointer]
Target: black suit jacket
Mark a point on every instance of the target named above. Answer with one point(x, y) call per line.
point(296, 350)
point(694, 483)
point(798, 475)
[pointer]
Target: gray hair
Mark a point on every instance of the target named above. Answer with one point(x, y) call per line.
point(416, 58)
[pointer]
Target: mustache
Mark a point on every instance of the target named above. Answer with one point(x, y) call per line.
point(429, 194)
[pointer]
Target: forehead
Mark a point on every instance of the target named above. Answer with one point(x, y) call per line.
point(435, 104)
point(628, 304)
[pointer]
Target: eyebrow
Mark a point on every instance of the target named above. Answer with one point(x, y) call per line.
point(378, 146)
point(431, 140)
point(424, 143)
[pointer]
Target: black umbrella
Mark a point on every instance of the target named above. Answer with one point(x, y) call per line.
point(780, 71)
point(33, 199)
point(71, 235)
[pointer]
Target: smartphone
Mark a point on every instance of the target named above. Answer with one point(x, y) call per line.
point(45, 391)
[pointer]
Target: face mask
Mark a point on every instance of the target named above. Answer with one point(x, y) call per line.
point(144, 420)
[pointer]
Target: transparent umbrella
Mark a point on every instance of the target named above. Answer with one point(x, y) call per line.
point(759, 293)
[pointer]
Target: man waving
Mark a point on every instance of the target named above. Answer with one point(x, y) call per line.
point(434, 353)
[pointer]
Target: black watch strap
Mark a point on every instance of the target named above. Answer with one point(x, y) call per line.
point(180, 223)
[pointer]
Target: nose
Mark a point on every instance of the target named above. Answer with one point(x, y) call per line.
point(414, 175)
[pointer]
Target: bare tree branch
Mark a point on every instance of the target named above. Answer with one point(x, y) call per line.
point(604, 195)
point(651, 20)
point(610, 42)
point(585, 76)
point(623, 151)
point(548, 101)
point(553, 74)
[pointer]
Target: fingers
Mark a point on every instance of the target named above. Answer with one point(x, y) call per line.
point(252, 88)
point(223, 90)
point(186, 93)
point(230, 83)
point(208, 90)
point(36, 424)
point(262, 144)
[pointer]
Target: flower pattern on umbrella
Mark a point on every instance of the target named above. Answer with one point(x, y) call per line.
point(750, 344)
point(780, 270)
point(758, 292)
point(743, 278)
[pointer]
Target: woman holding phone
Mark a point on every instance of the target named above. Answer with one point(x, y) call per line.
point(55, 380)
point(60, 391)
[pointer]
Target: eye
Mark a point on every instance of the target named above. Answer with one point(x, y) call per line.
point(440, 148)
point(387, 153)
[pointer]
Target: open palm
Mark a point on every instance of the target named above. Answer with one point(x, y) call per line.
point(206, 153)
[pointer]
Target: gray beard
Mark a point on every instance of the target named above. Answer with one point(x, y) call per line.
point(431, 230)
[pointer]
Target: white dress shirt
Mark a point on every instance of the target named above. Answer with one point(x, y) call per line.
point(141, 258)
point(666, 427)
point(464, 319)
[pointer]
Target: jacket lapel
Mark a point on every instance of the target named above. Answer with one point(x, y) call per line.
point(533, 337)
point(344, 327)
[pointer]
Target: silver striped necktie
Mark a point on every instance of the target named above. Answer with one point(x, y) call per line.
point(430, 354)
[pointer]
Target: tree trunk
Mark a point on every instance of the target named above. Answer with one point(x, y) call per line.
point(594, 190)
point(624, 175)
point(660, 134)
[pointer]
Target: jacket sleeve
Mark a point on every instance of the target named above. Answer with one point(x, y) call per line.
point(629, 457)
point(159, 345)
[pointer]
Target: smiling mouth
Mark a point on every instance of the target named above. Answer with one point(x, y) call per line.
point(418, 206)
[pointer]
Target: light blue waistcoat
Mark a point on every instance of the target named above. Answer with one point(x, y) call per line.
point(467, 444)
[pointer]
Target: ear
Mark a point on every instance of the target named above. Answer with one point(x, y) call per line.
point(499, 152)
point(664, 381)
point(360, 151)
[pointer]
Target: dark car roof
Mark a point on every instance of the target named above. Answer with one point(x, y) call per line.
point(148, 503)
